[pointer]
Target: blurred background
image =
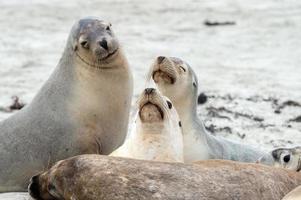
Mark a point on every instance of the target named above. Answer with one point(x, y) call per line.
point(247, 55)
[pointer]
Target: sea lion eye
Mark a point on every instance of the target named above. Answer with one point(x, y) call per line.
point(85, 44)
point(51, 187)
point(183, 69)
point(52, 191)
point(108, 28)
point(169, 104)
point(194, 84)
point(286, 158)
point(180, 124)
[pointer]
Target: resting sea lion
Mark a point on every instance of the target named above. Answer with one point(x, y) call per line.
point(94, 177)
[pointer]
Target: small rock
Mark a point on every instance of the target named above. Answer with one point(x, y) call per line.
point(202, 98)
point(215, 23)
point(297, 119)
point(17, 105)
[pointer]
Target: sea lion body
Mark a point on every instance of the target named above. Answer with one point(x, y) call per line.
point(94, 177)
point(157, 133)
point(82, 108)
point(176, 80)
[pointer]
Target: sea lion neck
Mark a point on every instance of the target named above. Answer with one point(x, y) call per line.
point(186, 110)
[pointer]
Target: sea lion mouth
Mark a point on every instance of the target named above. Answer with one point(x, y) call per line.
point(99, 63)
point(150, 112)
point(160, 75)
point(109, 55)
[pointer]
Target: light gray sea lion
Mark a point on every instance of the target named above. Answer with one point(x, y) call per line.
point(94, 177)
point(176, 80)
point(83, 108)
point(289, 158)
point(157, 133)
point(295, 194)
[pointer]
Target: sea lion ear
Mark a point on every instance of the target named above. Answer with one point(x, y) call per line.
point(169, 104)
point(74, 43)
point(74, 47)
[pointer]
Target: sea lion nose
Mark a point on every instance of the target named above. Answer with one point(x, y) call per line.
point(104, 44)
point(33, 187)
point(149, 90)
point(160, 59)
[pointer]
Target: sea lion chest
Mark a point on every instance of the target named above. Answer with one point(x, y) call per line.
point(100, 107)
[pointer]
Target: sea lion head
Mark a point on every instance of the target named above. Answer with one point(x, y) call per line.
point(175, 79)
point(94, 43)
point(289, 158)
point(49, 185)
point(155, 108)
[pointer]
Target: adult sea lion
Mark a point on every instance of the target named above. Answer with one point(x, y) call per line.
point(176, 80)
point(94, 177)
point(157, 133)
point(82, 108)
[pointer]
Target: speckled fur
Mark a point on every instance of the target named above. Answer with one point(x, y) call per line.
point(95, 177)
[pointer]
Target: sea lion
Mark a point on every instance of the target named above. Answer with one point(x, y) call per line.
point(157, 133)
point(177, 80)
point(82, 108)
point(94, 177)
point(295, 194)
point(289, 158)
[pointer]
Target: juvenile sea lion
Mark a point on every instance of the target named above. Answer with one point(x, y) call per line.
point(289, 158)
point(94, 177)
point(176, 80)
point(157, 133)
point(82, 108)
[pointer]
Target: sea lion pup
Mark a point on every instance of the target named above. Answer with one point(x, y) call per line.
point(176, 80)
point(82, 108)
point(94, 177)
point(289, 158)
point(157, 133)
point(295, 194)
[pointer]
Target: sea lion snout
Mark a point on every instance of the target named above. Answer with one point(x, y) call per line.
point(95, 42)
point(104, 47)
point(34, 189)
point(160, 59)
point(104, 44)
point(164, 70)
point(151, 106)
point(148, 91)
